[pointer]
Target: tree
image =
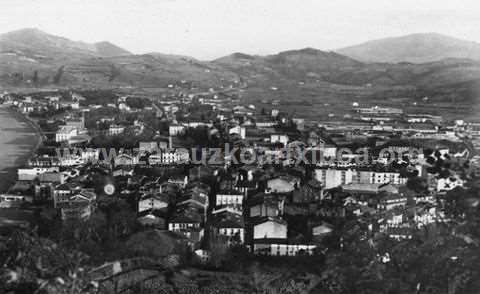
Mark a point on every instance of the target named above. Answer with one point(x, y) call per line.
point(417, 184)
point(31, 264)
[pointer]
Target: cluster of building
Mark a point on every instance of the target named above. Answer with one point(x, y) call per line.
point(282, 208)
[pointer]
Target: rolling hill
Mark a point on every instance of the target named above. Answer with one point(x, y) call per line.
point(31, 58)
point(415, 48)
point(38, 45)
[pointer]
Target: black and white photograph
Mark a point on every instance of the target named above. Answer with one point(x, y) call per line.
point(239, 147)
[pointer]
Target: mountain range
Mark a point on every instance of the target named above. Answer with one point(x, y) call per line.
point(35, 44)
point(415, 48)
point(421, 64)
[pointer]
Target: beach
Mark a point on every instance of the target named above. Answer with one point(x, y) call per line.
point(19, 138)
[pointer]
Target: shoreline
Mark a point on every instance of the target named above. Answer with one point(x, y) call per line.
point(9, 173)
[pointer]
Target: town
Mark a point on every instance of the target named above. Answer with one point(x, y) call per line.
point(202, 178)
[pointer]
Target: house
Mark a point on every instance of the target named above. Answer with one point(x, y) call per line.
point(84, 194)
point(175, 130)
point(299, 123)
point(44, 188)
point(65, 133)
point(279, 138)
point(375, 177)
point(281, 185)
point(125, 171)
point(246, 187)
point(200, 172)
point(198, 188)
point(424, 198)
point(270, 228)
point(75, 105)
point(322, 230)
point(203, 256)
point(188, 225)
point(394, 218)
point(123, 106)
point(390, 201)
point(238, 130)
point(150, 147)
point(150, 219)
point(399, 233)
point(179, 180)
point(266, 205)
point(125, 159)
point(52, 177)
point(79, 139)
point(265, 123)
point(169, 156)
point(196, 124)
point(90, 155)
point(78, 123)
point(77, 207)
point(272, 247)
point(231, 199)
point(70, 160)
point(316, 143)
point(63, 191)
point(308, 193)
point(149, 186)
point(427, 214)
point(43, 161)
point(230, 226)
point(360, 209)
point(332, 178)
point(194, 202)
point(368, 189)
point(77, 210)
point(150, 202)
point(115, 130)
point(449, 183)
point(12, 200)
point(31, 173)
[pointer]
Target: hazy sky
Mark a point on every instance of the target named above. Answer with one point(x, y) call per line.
point(207, 29)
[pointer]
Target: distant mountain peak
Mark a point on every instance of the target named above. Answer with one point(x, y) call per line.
point(107, 49)
point(307, 50)
point(33, 41)
point(240, 55)
point(415, 48)
point(27, 31)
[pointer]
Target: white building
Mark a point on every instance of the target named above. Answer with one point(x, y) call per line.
point(229, 200)
point(153, 202)
point(332, 178)
point(392, 200)
point(29, 174)
point(171, 156)
point(175, 130)
point(373, 177)
point(271, 228)
point(239, 130)
point(65, 133)
point(279, 249)
point(279, 138)
point(115, 130)
point(280, 185)
point(11, 200)
point(447, 184)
